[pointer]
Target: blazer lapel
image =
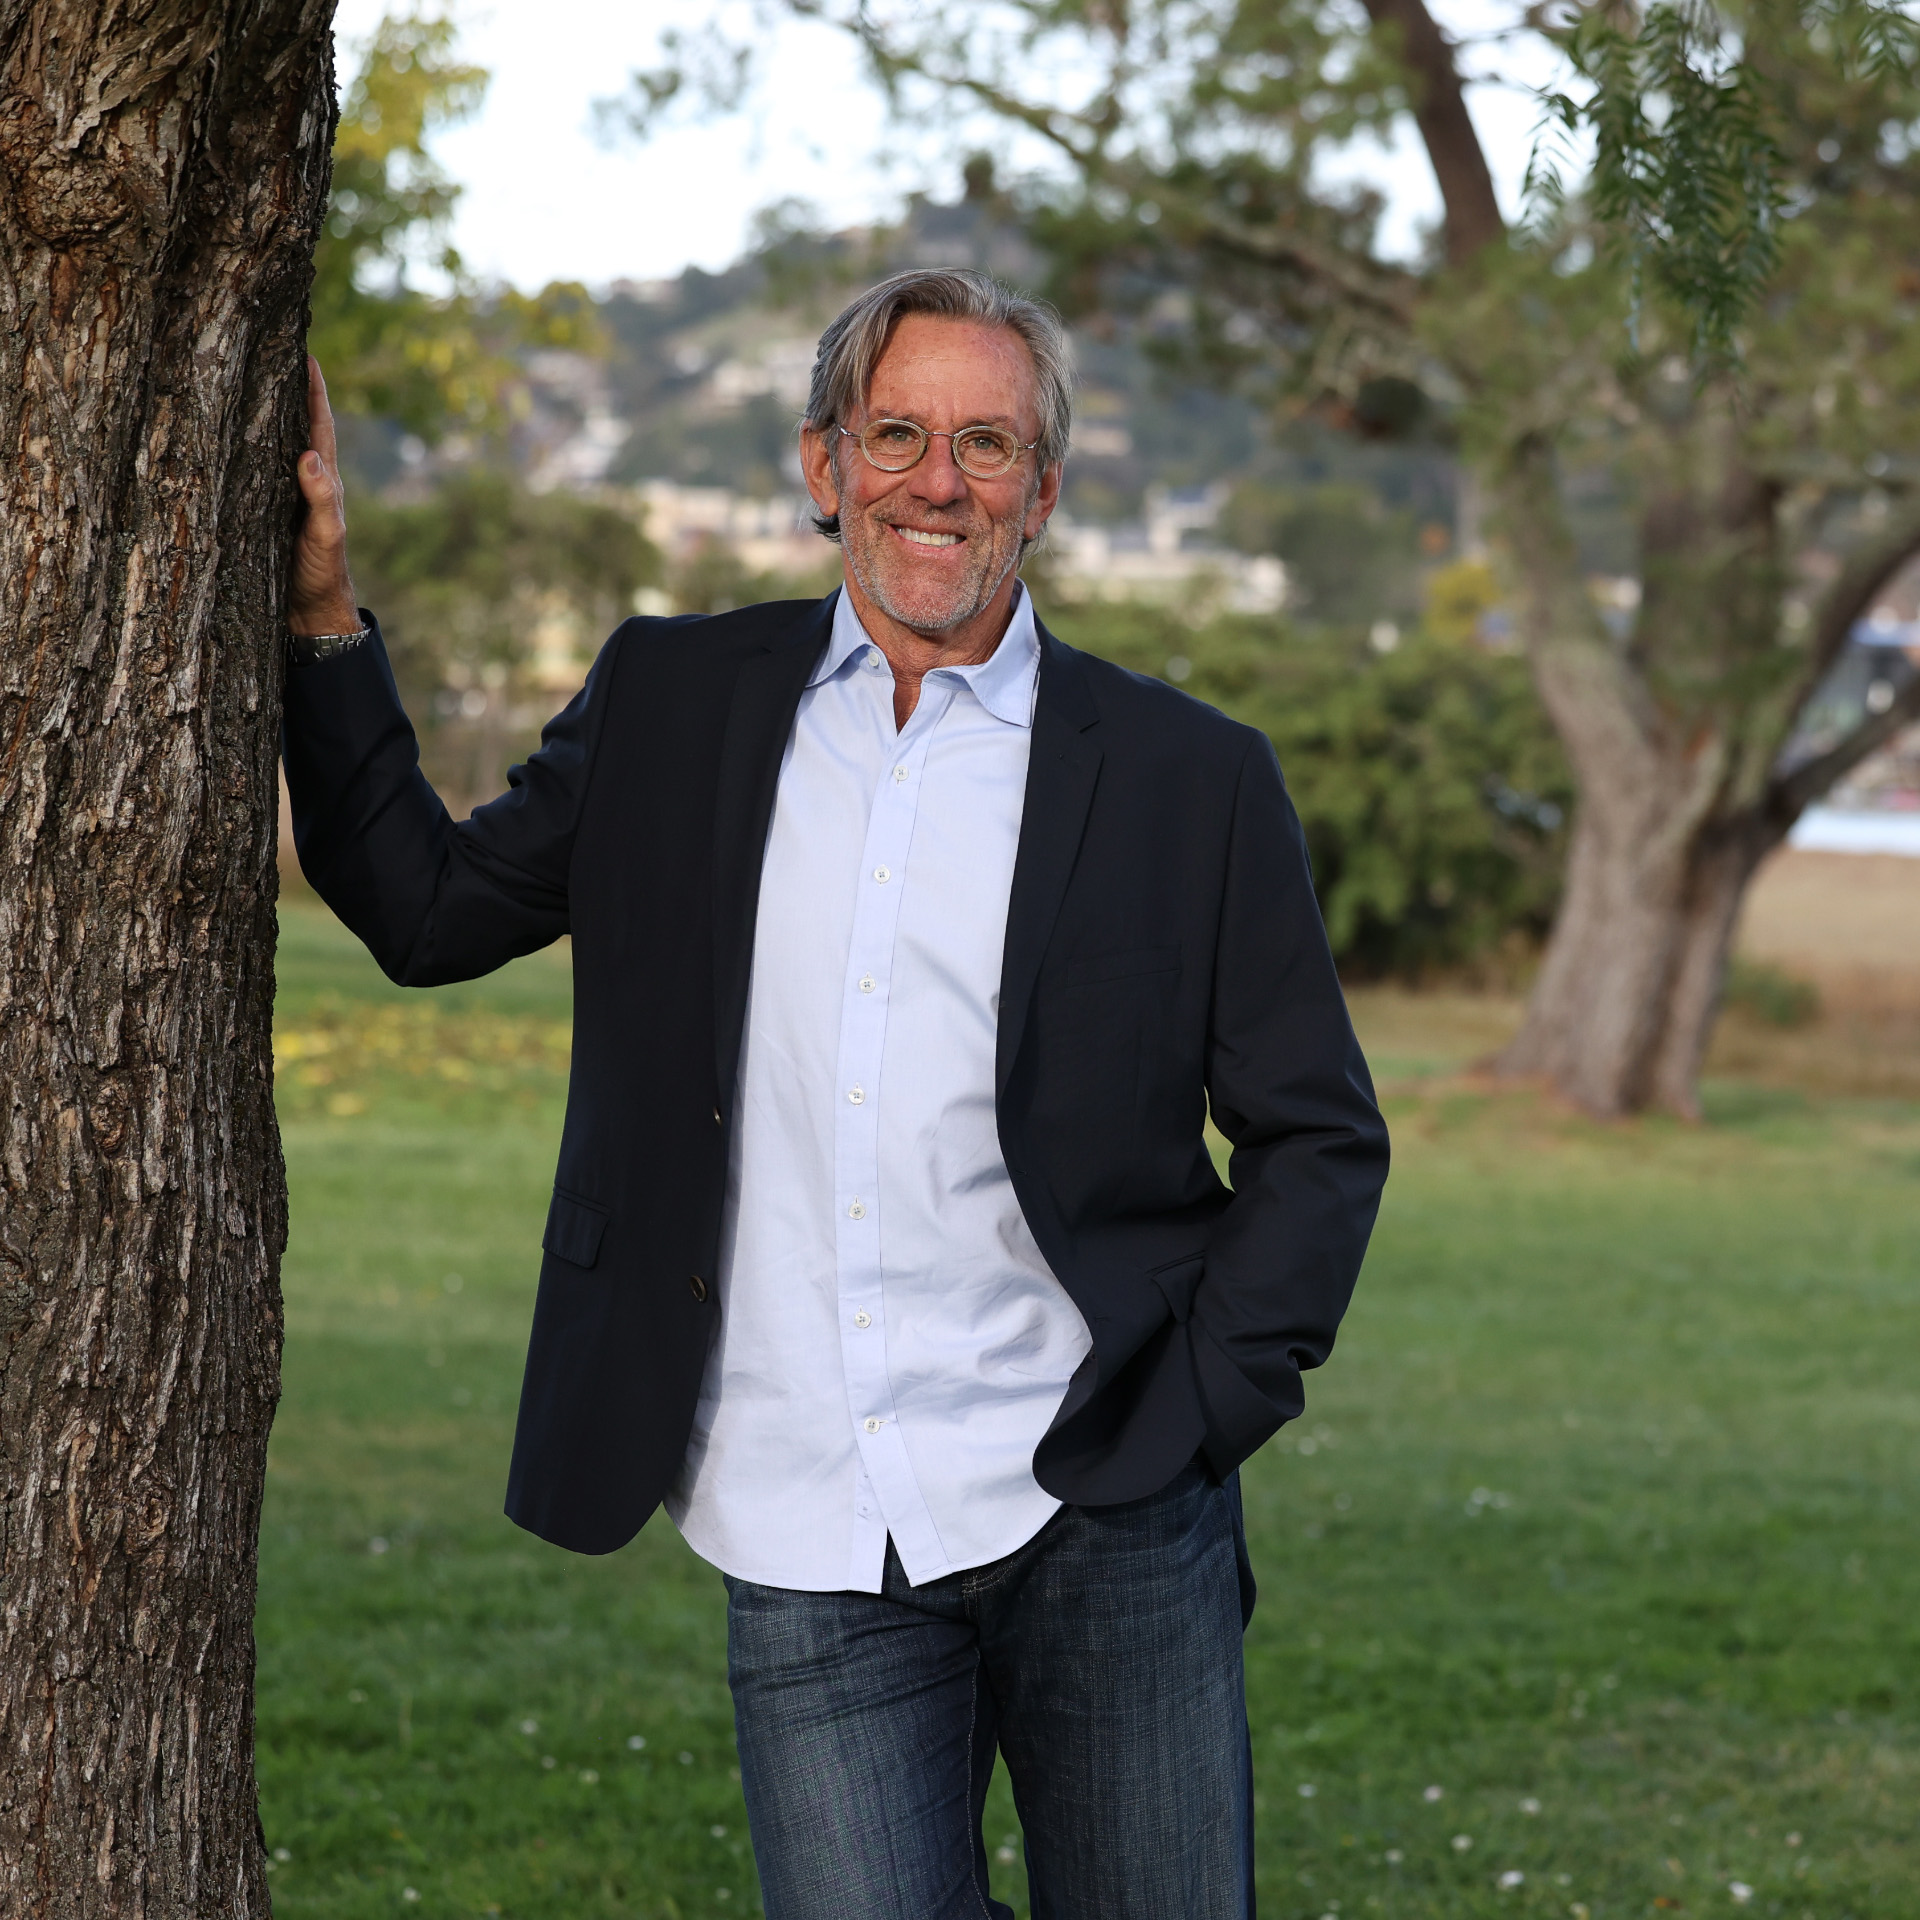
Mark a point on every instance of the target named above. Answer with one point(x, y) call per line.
point(1063, 766)
point(766, 697)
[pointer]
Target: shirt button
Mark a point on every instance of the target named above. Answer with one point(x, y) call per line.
point(873, 1426)
point(866, 986)
point(856, 1095)
point(858, 1211)
point(697, 1286)
point(883, 874)
point(863, 1319)
point(899, 775)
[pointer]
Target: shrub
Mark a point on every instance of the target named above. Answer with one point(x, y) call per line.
point(1771, 995)
point(1433, 792)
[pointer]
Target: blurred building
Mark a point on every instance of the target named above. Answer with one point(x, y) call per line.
point(766, 536)
point(1167, 556)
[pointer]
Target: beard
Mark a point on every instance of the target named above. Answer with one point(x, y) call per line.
point(903, 592)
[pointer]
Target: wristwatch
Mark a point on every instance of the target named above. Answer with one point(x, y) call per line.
point(308, 649)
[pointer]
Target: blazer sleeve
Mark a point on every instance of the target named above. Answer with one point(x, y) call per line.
point(1290, 1091)
point(435, 900)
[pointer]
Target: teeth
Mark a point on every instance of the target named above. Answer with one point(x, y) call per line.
point(928, 539)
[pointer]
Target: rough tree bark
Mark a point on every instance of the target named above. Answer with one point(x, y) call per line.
point(163, 175)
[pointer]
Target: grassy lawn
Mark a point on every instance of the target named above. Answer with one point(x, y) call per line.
point(1591, 1568)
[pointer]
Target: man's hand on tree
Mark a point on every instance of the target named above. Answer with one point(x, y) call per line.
point(320, 597)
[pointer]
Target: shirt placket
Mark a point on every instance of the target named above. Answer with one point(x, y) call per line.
point(887, 1497)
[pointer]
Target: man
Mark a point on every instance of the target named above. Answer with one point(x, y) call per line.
point(911, 951)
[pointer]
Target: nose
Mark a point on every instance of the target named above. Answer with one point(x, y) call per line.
point(936, 478)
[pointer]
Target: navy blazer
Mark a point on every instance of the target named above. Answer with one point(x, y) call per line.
point(1164, 958)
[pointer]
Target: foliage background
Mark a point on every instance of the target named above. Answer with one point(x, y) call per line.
point(1433, 793)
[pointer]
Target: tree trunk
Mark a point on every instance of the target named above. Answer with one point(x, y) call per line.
point(1665, 840)
point(1621, 1014)
point(162, 180)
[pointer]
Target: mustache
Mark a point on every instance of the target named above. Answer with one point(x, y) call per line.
point(936, 520)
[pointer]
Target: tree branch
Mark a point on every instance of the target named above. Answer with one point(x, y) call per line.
point(1789, 795)
point(1082, 137)
point(1473, 219)
point(1363, 286)
point(1853, 594)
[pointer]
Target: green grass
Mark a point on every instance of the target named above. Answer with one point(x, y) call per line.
point(1606, 1503)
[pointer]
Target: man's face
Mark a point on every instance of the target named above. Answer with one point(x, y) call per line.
point(932, 546)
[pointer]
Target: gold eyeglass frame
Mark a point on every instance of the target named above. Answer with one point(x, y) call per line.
point(928, 437)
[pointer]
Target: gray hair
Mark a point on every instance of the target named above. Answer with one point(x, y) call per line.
point(851, 347)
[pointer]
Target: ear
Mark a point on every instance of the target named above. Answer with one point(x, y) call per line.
point(1046, 496)
point(816, 464)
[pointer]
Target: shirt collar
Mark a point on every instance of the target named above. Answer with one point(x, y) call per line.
point(1004, 683)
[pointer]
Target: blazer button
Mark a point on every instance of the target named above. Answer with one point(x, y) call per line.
point(697, 1286)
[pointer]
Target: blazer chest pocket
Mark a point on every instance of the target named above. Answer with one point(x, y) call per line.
point(1130, 964)
point(574, 1228)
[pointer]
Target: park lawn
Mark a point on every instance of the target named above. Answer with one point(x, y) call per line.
point(1591, 1563)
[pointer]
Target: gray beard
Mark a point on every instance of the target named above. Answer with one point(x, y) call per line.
point(875, 589)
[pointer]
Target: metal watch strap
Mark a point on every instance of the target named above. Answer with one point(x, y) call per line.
point(308, 649)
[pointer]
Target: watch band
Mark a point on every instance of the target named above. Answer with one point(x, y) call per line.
point(308, 649)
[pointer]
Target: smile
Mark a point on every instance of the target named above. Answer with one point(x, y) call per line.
point(920, 539)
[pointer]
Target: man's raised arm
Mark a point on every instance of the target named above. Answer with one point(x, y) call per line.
point(433, 900)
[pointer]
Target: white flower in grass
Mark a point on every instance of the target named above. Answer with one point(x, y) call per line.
point(378, 1545)
point(1434, 1793)
point(529, 1726)
point(547, 1760)
point(636, 1741)
point(409, 1893)
point(1512, 1878)
point(1741, 1892)
point(1307, 1790)
point(719, 1833)
point(588, 1778)
point(1462, 1841)
point(1529, 1805)
point(282, 1854)
point(1394, 1856)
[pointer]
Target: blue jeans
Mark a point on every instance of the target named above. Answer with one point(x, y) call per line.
point(1102, 1659)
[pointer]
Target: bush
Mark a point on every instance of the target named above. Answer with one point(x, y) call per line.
point(492, 600)
point(1433, 792)
point(1770, 995)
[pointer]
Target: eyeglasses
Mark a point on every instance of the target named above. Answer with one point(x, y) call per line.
point(895, 445)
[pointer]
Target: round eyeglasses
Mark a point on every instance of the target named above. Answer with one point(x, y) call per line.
point(895, 445)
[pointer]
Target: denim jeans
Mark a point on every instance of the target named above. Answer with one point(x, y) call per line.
point(1102, 1659)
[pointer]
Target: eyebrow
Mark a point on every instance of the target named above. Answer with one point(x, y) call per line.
point(979, 420)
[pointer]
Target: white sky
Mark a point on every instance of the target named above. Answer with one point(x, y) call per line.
point(544, 201)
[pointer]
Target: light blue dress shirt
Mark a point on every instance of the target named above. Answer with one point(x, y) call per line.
point(892, 1345)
